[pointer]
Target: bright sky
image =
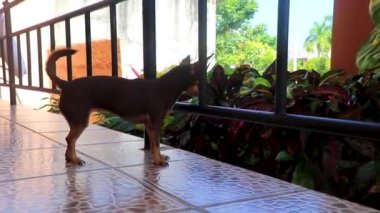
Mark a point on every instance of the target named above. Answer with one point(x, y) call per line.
point(303, 13)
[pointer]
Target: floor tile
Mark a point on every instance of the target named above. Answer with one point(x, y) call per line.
point(302, 202)
point(13, 129)
point(4, 121)
point(131, 153)
point(38, 117)
point(11, 143)
point(5, 106)
point(53, 126)
point(31, 116)
point(202, 182)
point(15, 111)
point(41, 162)
point(91, 136)
point(95, 191)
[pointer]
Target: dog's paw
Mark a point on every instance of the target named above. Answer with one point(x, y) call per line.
point(165, 157)
point(81, 162)
point(161, 163)
point(77, 161)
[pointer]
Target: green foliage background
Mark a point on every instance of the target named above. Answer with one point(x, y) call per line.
point(238, 41)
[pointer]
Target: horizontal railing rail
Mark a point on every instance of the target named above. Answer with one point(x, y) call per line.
point(367, 130)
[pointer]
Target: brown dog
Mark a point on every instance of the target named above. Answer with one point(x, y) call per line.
point(138, 101)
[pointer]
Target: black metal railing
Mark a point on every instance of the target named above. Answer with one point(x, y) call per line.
point(277, 118)
point(11, 38)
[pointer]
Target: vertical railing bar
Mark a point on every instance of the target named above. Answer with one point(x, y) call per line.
point(282, 57)
point(39, 53)
point(68, 45)
point(29, 58)
point(19, 64)
point(202, 49)
point(87, 20)
point(3, 62)
point(149, 38)
point(149, 45)
point(52, 37)
point(52, 48)
point(9, 47)
point(113, 28)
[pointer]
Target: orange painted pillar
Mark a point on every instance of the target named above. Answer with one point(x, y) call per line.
point(351, 27)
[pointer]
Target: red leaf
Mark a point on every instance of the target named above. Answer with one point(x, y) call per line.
point(335, 90)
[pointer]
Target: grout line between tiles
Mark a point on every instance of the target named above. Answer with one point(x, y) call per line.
point(40, 148)
point(112, 142)
point(258, 197)
point(152, 186)
point(51, 175)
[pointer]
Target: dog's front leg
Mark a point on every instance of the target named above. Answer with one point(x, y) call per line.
point(158, 158)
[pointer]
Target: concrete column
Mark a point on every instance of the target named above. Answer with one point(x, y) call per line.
point(351, 27)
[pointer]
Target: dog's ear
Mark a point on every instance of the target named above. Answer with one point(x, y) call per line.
point(185, 61)
point(195, 68)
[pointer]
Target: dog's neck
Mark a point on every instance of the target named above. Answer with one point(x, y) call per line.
point(176, 81)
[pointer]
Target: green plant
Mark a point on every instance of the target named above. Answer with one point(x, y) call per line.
point(342, 166)
point(368, 56)
point(115, 122)
point(52, 105)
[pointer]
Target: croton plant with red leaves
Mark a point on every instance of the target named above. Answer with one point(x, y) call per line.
point(342, 166)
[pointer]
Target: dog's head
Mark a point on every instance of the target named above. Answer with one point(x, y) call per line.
point(195, 70)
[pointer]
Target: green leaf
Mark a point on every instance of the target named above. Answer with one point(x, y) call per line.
point(244, 91)
point(284, 156)
point(214, 146)
point(303, 175)
point(176, 121)
point(369, 172)
point(345, 164)
point(315, 104)
point(251, 160)
point(332, 77)
point(262, 81)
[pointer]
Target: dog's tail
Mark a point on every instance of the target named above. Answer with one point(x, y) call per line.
point(50, 64)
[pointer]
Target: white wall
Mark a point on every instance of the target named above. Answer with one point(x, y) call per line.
point(176, 23)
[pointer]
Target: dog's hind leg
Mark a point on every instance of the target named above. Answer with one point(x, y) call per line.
point(71, 139)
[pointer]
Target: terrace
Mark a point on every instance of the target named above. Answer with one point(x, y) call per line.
point(118, 175)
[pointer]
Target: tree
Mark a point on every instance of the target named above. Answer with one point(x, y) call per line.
point(238, 41)
point(319, 39)
point(232, 14)
point(320, 64)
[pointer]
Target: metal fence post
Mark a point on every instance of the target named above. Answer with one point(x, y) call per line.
point(202, 50)
point(9, 47)
point(282, 57)
point(149, 48)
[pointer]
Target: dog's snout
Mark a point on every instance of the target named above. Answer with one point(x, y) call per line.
point(192, 90)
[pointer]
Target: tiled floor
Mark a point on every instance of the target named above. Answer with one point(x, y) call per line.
point(119, 177)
